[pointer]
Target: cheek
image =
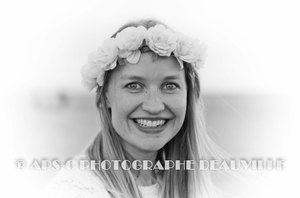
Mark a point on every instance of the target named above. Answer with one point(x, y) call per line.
point(178, 107)
point(177, 104)
point(119, 111)
point(121, 108)
point(119, 119)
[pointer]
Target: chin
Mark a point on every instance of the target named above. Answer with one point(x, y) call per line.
point(152, 147)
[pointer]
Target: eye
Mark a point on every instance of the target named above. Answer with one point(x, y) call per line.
point(170, 86)
point(133, 86)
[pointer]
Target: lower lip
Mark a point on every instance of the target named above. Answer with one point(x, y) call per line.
point(150, 130)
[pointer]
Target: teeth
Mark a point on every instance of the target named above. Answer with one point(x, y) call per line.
point(149, 123)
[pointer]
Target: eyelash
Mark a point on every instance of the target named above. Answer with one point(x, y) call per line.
point(175, 86)
point(133, 83)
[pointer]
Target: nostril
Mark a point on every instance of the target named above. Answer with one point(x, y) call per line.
point(153, 107)
point(153, 103)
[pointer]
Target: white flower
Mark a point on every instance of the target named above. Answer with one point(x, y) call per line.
point(128, 41)
point(161, 40)
point(190, 51)
point(89, 75)
point(131, 38)
point(92, 75)
point(200, 51)
point(106, 56)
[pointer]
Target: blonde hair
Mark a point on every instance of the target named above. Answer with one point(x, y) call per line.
point(191, 143)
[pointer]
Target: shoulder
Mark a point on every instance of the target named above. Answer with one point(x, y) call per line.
point(76, 183)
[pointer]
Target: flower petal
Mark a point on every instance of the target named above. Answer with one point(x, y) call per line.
point(134, 57)
point(180, 62)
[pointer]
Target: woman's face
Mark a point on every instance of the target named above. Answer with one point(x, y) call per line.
point(148, 102)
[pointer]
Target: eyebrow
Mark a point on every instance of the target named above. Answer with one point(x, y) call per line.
point(129, 77)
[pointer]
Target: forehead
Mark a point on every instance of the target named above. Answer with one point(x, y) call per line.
point(150, 66)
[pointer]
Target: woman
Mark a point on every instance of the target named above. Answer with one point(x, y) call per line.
point(148, 96)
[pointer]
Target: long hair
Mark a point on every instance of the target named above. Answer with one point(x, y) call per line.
point(191, 143)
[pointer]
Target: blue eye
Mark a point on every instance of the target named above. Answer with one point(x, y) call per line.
point(133, 86)
point(170, 86)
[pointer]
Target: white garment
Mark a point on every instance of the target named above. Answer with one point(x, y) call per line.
point(150, 191)
point(76, 183)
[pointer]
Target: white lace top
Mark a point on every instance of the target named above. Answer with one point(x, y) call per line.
point(76, 183)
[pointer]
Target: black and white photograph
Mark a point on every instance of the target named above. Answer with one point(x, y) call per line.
point(150, 99)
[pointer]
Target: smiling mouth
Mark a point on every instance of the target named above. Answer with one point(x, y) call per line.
point(146, 123)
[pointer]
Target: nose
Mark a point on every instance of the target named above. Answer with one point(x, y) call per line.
point(153, 103)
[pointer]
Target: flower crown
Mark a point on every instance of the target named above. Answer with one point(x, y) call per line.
point(127, 45)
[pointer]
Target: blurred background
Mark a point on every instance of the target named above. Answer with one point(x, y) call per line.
point(249, 84)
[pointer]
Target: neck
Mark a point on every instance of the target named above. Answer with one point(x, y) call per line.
point(143, 177)
point(138, 154)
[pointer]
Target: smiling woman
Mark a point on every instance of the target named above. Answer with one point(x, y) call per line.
point(153, 107)
point(148, 97)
